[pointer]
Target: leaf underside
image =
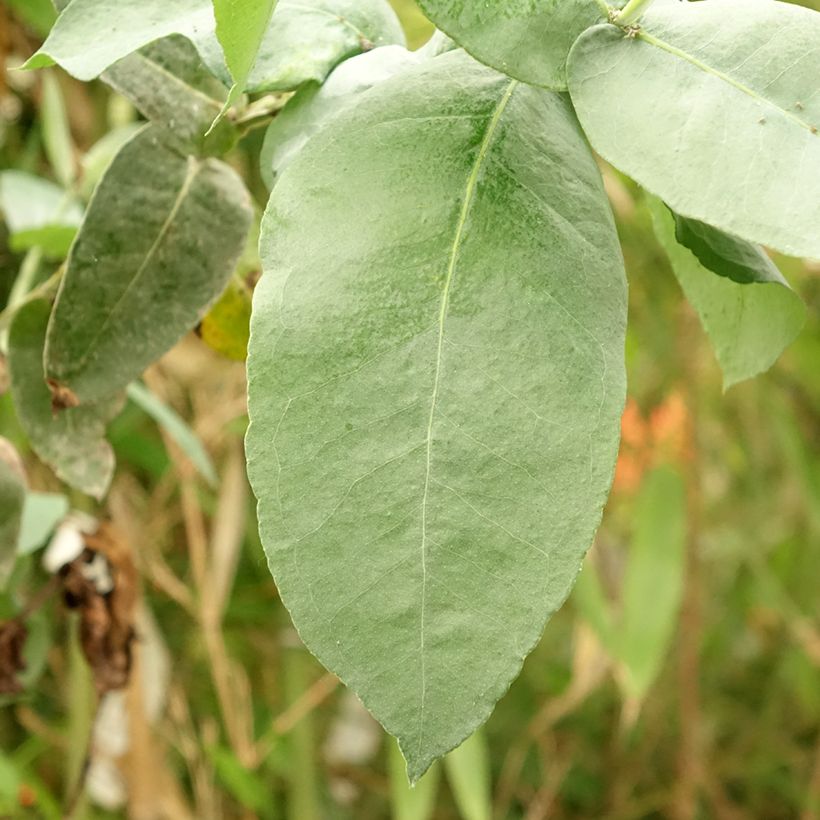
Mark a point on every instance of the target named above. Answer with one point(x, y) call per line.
point(436, 379)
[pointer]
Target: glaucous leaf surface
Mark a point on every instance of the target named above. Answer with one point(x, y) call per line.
point(713, 106)
point(95, 162)
point(71, 442)
point(159, 242)
point(726, 255)
point(168, 83)
point(436, 382)
point(526, 39)
point(38, 213)
point(749, 325)
point(12, 495)
point(314, 105)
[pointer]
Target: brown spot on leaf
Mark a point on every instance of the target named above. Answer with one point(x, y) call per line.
point(12, 640)
point(102, 585)
point(62, 397)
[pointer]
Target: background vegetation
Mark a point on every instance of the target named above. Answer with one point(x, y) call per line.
point(681, 680)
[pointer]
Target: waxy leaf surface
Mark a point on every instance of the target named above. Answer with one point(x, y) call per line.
point(71, 442)
point(161, 237)
point(714, 107)
point(436, 382)
point(527, 39)
point(749, 325)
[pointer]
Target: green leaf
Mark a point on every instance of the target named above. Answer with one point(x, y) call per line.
point(176, 428)
point(410, 803)
point(56, 134)
point(12, 494)
point(713, 106)
point(240, 28)
point(314, 105)
point(306, 40)
point(726, 255)
point(225, 328)
point(653, 580)
point(42, 512)
point(749, 325)
point(169, 85)
point(101, 155)
point(38, 213)
point(435, 382)
point(159, 242)
point(468, 772)
point(72, 442)
point(39, 14)
point(526, 39)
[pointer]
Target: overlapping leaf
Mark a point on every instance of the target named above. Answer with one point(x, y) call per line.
point(713, 106)
point(159, 242)
point(436, 382)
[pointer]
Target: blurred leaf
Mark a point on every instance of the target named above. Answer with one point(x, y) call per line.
point(732, 87)
point(42, 512)
point(244, 785)
point(313, 106)
point(12, 495)
point(726, 255)
point(168, 83)
point(360, 386)
point(38, 213)
point(56, 133)
point(653, 579)
point(410, 802)
point(178, 233)
point(176, 428)
point(72, 442)
point(39, 14)
point(240, 28)
point(95, 163)
point(588, 595)
point(225, 328)
point(749, 325)
point(468, 772)
point(526, 40)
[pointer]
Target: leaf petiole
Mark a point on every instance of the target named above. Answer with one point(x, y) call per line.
point(631, 12)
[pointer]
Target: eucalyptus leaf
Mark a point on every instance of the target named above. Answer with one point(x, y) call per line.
point(12, 495)
point(38, 213)
point(436, 377)
point(314, 105)
point(713, 106)
point(749, 325)
point(159, 242)
point(72, 442)
point(526, 39)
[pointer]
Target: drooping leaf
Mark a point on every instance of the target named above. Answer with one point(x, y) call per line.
point(468, 772)
point(176, 427)
point(38, 213)
point(436, 383)
point(169, 85)
point(526, 39)
point(159, 242)
point(42, 512)
point(749, 325)
point(12, 494)
point(240, 29)
point(91, 35)
point(313, 106)
point(72, 443)
point(653, 580)
point(713, 106)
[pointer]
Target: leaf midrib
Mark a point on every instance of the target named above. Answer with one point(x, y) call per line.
point(469, 198)
point(727, 78)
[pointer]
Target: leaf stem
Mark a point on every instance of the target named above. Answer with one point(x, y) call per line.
point(631, 12)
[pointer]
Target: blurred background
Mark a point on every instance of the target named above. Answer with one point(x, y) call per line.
point(681, 679)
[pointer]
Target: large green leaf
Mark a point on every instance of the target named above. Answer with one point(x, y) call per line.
point(436, 381)
point(71, 442)
point(713, 106)
point(527, 39)
point(749, 324)
point(12, 496)
point(168, 83)
point(159, 242)
point(38, 213)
